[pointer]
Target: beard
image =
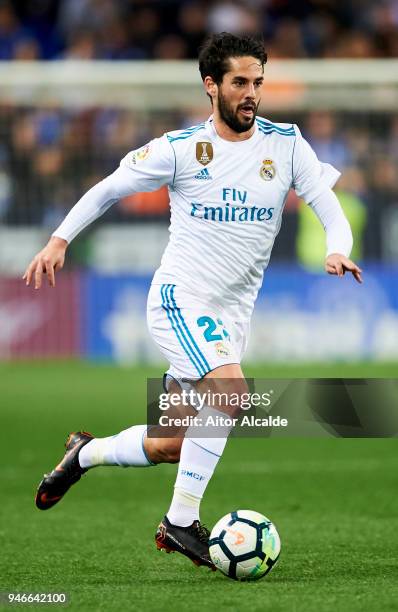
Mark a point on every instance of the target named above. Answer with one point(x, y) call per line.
point(231, 116)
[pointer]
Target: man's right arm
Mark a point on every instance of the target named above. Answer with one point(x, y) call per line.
point(93, 204)
point(146, 169)
point(48, 261)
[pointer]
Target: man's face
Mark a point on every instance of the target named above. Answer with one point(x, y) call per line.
point(239, 94)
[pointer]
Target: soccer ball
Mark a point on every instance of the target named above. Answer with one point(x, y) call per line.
point(244, 545)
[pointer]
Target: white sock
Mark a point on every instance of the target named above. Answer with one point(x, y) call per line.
point(184, 508)
point(125, 449)
point(198, 460)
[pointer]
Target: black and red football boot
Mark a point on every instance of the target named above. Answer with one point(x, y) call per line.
point(192, 541)
point(55, 484)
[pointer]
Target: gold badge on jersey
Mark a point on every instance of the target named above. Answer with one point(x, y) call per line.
point(140, 154)
point(204, 152)
point(267, 170)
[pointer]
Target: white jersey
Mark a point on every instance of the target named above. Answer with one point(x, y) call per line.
point(226, 201)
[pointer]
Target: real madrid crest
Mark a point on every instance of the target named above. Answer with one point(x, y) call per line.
point(267, 170)
point(221, 349)
point(204, 152)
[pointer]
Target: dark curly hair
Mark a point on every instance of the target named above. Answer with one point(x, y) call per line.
point(218, 48)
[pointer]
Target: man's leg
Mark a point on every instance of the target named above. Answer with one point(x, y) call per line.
point(125, 449)
point(133, 448)
point(83, 452)
point(129, 448)
point(180, 529)
point(200, 455)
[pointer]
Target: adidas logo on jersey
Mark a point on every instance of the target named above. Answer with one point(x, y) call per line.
point(203, 175)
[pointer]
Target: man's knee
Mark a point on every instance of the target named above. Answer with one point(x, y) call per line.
point(228, 395)
point(163, 450)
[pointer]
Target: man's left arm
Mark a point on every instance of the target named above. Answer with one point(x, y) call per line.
point(338, 234)
point(313, 181)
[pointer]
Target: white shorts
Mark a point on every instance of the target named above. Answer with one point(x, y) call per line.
point(194, 337)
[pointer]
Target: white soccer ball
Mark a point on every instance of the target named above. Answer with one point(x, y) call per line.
point(244, 545)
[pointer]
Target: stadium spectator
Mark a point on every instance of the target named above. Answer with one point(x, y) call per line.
point(145, 29)
point(117, 44)
point(5, 192)
point(132, 29)
point(12, 32)
point(355, 45)
point(192, 22)
point(86, 14)
point(322, 133)
point(26, 50)
point(83, 45)
point(170, 47)
point(235, 17)
point(287, 41)
point(382, 197)
point(49, 156)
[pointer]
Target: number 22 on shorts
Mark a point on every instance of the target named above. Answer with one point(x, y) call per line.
point(211, 327)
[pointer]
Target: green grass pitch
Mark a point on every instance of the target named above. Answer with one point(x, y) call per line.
point(334, 502)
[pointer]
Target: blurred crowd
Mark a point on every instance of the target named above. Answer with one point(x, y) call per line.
point(173, 29)
point(49, 157)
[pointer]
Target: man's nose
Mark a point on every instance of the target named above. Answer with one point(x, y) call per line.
point(250, 91)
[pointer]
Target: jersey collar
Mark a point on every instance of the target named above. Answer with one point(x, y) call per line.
point(211, 127)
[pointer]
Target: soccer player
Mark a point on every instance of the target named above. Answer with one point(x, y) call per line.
point(228, 179)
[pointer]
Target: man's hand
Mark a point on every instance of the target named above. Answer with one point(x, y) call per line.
point(339, 265)
point(48, 261)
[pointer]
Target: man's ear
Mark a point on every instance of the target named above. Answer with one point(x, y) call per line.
point(210, 86)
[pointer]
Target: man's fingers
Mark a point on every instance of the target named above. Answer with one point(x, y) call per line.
point(47, 262)
point(350, 265)
point(334, 267)
point(357, 275)
point(38, 274)
point(29, 271)
point(50, 272)
point(339, 268)
point(338, 265)
point(26, 274)
point(330, 269)
point(58, 266)
point(356, 270)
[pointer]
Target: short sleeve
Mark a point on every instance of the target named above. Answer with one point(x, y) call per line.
point(152, 165)
point(310, 176)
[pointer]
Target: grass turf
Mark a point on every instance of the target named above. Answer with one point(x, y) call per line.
point(333, 500)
